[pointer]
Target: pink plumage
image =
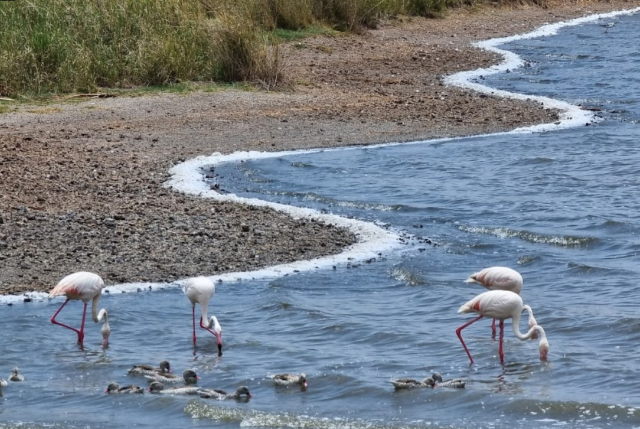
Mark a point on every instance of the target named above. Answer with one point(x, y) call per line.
point(200, 290)
point(85, 287)
point(498, 278)
point(502, 305)
point(82, 286)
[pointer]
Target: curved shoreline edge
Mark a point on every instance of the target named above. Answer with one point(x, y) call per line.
point(372, 239)
point(570, 114)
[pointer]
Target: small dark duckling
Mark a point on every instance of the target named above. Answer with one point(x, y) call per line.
point(157, 387)
point(151, 370)
point(115, 388)
point(456, 383)
point(410, 383)
point(189, 376)
point(290, 379)
point(241, 392)
point(15, 375)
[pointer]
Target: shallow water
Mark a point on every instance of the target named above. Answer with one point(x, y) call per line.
point(561, 207)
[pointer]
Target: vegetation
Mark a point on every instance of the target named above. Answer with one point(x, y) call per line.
point(66, 46)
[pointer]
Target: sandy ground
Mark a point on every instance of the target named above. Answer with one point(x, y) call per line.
point(81, 184)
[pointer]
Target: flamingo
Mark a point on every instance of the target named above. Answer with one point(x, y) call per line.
point(82, 286)
point(201, 290)
point(501, 305)
point(501, 278)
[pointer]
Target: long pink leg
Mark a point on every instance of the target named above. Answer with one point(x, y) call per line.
point(459, 334)
point(500, 351)
point(194, 324)
point(79, 332)
point(493, 329)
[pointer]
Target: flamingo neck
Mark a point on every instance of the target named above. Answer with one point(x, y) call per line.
point(532, 330)
point(203, 310)
point(532, 320)
point(94, 308)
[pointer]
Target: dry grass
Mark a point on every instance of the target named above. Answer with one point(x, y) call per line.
point(66, 46)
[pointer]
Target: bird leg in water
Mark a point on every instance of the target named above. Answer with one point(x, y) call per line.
point(500, 351)
point(194, 323)
point(79, 332)
point(459, 334)
point(493, 329)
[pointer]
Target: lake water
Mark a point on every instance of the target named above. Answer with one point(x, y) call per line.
point(561, 206)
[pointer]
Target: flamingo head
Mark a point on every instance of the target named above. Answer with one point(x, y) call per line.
point(303, 380)
point(544, 348)
point(106, 329)
point(217, 331)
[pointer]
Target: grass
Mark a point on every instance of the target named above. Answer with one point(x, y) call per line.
point(53, 47)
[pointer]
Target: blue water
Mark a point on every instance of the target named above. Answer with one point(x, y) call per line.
point(562, 207)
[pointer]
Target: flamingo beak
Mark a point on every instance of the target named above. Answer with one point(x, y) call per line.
point(219, 349)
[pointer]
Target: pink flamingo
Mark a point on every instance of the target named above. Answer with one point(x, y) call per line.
point(201, 290)
point(501, 305)
point(501, 278)
point(82, 286)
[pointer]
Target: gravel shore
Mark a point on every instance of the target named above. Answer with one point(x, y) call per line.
point(81, 184)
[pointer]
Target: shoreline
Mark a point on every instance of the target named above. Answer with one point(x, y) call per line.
point(84, 186)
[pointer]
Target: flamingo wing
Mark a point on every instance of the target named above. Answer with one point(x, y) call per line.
point(82, 285)
point(498, 278)
point(199, 290)
point(498, 304)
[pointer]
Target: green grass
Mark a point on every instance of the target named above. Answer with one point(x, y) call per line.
point(72, 46)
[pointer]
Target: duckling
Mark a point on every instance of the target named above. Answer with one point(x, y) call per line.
point(150, 370)
point(115, 388)
point(290, 379)
point(15, 375)
point(456, 383)
point(189, 376)
point(410, 383)
point(241, 392)
point(157, 387)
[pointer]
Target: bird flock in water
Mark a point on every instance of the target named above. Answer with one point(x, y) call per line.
point(502, 301)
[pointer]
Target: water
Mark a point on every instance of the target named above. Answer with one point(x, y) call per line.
point(562, 207)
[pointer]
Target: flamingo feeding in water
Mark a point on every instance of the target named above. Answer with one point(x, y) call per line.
point(501, 278)
point(501, 305)
point(82, 286)
point(200, 290)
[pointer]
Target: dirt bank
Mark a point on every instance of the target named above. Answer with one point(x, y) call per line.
point(81, 184)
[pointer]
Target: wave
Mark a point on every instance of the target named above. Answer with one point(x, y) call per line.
point(532, 237)
point(570, 115)
point(254, 418)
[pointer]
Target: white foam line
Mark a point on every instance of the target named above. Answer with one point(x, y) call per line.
point(187, 176)
point(571, 115)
